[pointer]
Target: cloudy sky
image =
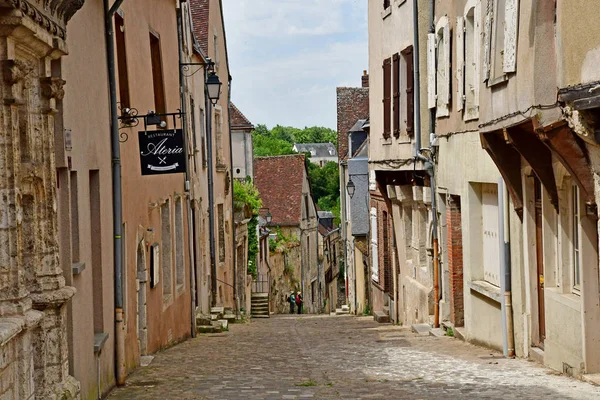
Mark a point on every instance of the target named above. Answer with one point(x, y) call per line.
point(288, 56)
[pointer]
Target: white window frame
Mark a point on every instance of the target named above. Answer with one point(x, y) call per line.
point(575, 223)
point(468, 47)
point(439, 68)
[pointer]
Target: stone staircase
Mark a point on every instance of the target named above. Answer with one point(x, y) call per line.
point(218, 320)
point(342, 311)
point(260, 305)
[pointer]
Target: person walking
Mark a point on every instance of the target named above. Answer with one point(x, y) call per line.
point(299, 302)
point(292, 301)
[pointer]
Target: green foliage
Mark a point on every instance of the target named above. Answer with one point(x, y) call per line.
point(309, 382)
point(283, 243)
point(252, 246)
point(450, 332)
point(246, 194)
point(280, 140)
point(325, 185)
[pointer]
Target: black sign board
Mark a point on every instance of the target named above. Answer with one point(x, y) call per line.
point(162, 152)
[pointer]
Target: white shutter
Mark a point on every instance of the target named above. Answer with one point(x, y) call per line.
point(487, 39)
point(447, 66)
point(374, 246)
point(431, 89)
point(491, 241)
point(443, 69)
point(477, 53)
point(460, 62)
point(511, 27)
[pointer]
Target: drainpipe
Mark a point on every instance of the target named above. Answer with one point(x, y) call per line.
point(428, 161)
point(186, 178)
point(211, 199)
point(234, 247)
point(116, 192)
point(505, 272)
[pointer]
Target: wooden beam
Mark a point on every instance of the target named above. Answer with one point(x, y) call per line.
point(587, 103)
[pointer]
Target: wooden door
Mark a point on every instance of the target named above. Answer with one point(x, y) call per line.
point(539, 245)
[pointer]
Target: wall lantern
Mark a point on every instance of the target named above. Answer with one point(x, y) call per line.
point(269, 217)
point(350, 188)
point(213, 85)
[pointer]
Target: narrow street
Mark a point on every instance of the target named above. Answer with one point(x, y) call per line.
point(322, 357)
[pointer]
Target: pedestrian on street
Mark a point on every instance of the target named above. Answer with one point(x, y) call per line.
point(299, 302)
point(292, 300)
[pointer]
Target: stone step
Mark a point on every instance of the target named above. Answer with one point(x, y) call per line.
point(421, 329)
point(341, 311)
point(381, 317)
point(217, 310)
point(260, 312)
point(229, 317)
point(260, 302)
point(386, 310)
point(260, 316)
point(345, 307)
point(260, 295)
point(437, 332)
point(203, 320)
point(209, 329)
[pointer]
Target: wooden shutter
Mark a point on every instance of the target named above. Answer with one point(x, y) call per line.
point(431, 89)
point(157, 75)
point(396, 103)
point(511, 26)
point(444, 91)
point(387, 88)
point(487, 40)
point(410, 95)
point(460, 63)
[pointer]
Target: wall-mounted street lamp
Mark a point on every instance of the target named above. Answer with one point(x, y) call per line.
point(268, 215)
point(213, 84)
point(350, 188)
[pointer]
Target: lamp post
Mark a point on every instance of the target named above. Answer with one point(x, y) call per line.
point(213, 92)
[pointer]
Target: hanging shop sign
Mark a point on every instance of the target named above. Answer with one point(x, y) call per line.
point(162, 152)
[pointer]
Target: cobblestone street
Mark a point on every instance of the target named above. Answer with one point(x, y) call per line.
point(322, 357)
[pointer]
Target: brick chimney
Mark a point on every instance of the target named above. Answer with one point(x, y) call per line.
point(365, 79)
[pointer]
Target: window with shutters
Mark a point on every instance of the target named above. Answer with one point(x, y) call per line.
point(575, 235)
point(500, 42)
point(157, 75)
point(396, 103)
point(491, 244)
point(467, 60)
point(438, 68)
point(122, 73)
point(386, 4)
point(387, 82)
point(409, 110)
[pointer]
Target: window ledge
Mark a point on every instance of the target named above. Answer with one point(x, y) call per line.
point(99, 340)
point(221, 168)
point(486, 289)
point(570, 300)
point(78, 268)
point(386, 142)
point(399, 2)
point(497, 81)
point(386, 13)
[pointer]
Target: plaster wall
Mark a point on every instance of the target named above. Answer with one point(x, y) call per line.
point(86, 115)
point(242, 154)
point(390, 32)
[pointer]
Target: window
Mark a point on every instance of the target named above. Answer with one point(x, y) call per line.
point(313, 286)
point(96, 241)
point(386, 4)
point(203, 139)
point(409, 111)
point(387, 81)
point(221, 233)
point(165, 237)
point(438, 68)
point(219, 139)
point(157, 75)
point(179, 244)
point(74, 218)
point(500, 45)
point(467, 60)
point(575, 213)
point(396, 102)
point(122, 62)
point(491, 244)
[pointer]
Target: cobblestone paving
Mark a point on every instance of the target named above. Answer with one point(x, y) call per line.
point(322, 357)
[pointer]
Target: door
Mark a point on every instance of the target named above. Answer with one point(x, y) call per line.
point(539, 245)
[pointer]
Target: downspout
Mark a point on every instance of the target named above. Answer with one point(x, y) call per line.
point(186, 179)
point(116, 192)
point(505, 272)
point(428, 162)
point(236, 299)
point(211, 200)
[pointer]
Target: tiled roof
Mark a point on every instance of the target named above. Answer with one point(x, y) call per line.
point(200, 12)
point(279, 182)
point(239, 120)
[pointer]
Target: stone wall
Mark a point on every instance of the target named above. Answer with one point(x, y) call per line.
point(285, 277)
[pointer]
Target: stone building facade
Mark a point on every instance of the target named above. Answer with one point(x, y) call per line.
point(34, 347)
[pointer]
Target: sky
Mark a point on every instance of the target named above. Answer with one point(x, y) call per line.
point(287, 57)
